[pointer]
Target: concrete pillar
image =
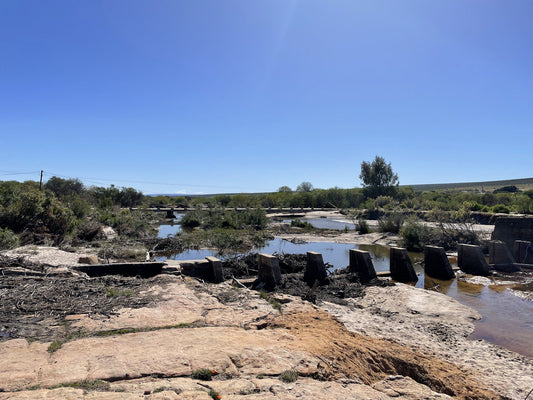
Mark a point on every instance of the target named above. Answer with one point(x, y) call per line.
point(170, 214)
point(471, 260)
point(215, 266)
point(401, 268)
point(499, 253)
point(269, 271)
point(523, 252)
point(315, 268)
point(361, 264)
point(436, 263)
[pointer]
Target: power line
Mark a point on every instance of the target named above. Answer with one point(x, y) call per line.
point(8, 173)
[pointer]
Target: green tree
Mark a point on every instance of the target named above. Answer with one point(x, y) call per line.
point(378, 178)
point(63, 188)
point(305, 187)
point(285, 189)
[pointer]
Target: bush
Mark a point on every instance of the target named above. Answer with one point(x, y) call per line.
point(391, 223)
point(289, 376)
point(414, 235)
point(507, 189)
point(500, 208)
point(30, 210)
point(132, 224)
point(8, 239)
point(227, 219)
point(362, 226)
point(203, 374)
point(298, 223)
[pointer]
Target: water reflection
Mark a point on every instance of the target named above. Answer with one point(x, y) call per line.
point(171, 228)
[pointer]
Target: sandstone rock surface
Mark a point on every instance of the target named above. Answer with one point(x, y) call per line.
point(153, 352)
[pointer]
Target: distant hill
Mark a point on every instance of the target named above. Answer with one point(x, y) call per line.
point(486, 186)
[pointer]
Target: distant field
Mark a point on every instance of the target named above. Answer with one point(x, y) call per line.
point(487, 186)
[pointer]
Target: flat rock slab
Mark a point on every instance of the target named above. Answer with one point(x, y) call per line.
point(170, 352)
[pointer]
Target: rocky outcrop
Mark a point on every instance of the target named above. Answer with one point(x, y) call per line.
point(241, 336)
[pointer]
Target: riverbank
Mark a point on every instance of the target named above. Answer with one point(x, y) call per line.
point(391, 342)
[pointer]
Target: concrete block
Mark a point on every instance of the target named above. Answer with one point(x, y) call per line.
point(511, 228)
point(499, 253)
point(315, 268)
point(523, 251)
point(401, 268)
point(269, 271)
point(361, 264)
point(471, 260)
point(216, 269)
point(436, 264)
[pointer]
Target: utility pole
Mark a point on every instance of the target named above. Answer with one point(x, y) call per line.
point(41, 181)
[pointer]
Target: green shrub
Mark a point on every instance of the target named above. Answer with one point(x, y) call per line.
point(226, 219)
point(414, 235)
point(28, 209)
point(132, 224)
point(391, 223)
point(382, 201)
point(298, 223)
point(54, 346)
point(362, 226)
point(8, 239)
point(507, 189)
point(500, 208)
point(203, 374)
point(289, 376)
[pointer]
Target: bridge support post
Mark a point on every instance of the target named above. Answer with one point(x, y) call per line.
point(215, 266)
point(315, 269)
point(269, 271)
point(436, 263)
point(401, 268)
point(470, 259)
point(523, 251)
point(361, 264)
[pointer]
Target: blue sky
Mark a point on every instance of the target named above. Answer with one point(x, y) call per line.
point(205, 96)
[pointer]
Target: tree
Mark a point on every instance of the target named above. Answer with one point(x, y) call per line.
point(378, 178)
point(285, 189)
point(65, 187)
point(304, 187)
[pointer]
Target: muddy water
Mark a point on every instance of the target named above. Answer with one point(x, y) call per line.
point(507, 319)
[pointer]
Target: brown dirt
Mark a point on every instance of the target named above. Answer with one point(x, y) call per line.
point(346, 354)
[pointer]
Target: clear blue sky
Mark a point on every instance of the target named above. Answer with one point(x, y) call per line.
point(204, 96)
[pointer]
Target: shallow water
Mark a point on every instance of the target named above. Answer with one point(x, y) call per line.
point(507, 320)
point(171, 228)
point(326, 223)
